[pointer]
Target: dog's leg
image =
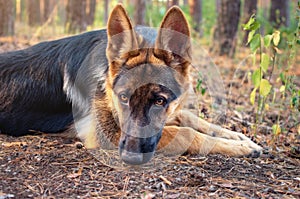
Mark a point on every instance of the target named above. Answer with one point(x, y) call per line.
point(188, 119)
point(178, 140)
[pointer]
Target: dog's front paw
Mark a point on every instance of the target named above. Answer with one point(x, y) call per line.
point(238, 148)
point(235, 136)
point(248, 148)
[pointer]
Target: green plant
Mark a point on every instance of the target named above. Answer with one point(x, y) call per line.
point(199, 87)
point(260, 44)
point(266, 49)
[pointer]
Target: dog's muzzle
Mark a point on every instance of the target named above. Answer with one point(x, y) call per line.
point(135, 158)
point(137, 151)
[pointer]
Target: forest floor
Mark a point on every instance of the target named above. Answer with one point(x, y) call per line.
point(43, 166)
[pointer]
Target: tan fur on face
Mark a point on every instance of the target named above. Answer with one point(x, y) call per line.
point(144, 56)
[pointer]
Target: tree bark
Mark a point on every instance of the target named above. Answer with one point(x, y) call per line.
point(91, 11)
point(48, 8)
point(105, 11)
point(7, 17)
point(225, 33)
point(34, 12)
point(250, 8)
point(76, 16)
point(171, 3)
point(196, 13)
point(140, 12)
point(279, 13)
point(20, 10)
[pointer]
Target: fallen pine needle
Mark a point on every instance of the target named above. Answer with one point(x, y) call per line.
point(168, 182)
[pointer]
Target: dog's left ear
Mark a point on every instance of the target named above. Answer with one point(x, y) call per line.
point(174, 36)
point(121, 36)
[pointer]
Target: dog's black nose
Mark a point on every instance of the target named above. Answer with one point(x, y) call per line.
point(135, 158)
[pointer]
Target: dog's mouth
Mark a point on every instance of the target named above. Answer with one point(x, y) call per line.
point(132, 158)
point(137, 151)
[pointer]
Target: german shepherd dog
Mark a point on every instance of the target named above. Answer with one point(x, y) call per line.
point(120, 86)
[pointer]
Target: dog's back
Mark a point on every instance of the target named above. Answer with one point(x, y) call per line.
point(34, 82)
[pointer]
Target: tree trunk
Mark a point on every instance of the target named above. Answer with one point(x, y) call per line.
point(279, 13)
point(34, 12)
point(171, 3)
point(106, 11)
point(91, 11)
point(225, 33)
point(175, 2)
point(250, 8)
point(218, 6)
point(140, 12)
point(20, 10)
point(196, 13)
point(7, 17)
point(48, 8)
point(76, 16)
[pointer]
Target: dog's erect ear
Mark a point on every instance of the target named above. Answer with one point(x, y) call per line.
point(174, 34)
point(121, 36)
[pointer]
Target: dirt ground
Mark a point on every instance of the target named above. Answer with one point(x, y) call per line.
point(52, 167)
point(44, 166)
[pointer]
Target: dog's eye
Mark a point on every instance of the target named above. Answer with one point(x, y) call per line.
point(123, 98)
point(160, 101)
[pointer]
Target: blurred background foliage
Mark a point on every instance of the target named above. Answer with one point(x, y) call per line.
point(42, 19)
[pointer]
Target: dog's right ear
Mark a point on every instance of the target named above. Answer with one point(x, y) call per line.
point(121, 36)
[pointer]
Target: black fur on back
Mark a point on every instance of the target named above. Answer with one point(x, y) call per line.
point(32, 94)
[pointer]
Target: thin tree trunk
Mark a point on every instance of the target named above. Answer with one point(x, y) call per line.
point(196, 13)
point(105, 11)
point(140, 12)
point(7, 17)
point(20, 10)
point(34, 12)
point(225, 34)
point(48, 8)
point(76, 16)
point(171, 3)
point(91, 11)
point(279, 13)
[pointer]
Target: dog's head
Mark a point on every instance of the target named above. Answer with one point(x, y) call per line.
point(147, 79)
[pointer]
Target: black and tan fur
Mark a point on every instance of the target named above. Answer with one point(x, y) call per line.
point(121, 87)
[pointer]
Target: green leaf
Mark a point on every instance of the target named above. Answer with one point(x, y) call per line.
point(256, 78)
point(203, 91)
point(294, 101)
point(255, 43)
point(255, 25)
point(265, 61)
point(264, 87)
point(251, 20)
point(282, 77)
point(282, 88)
point(276, 37)
point(252, 96)
point(276, 129)
point(250, 36)
point(267, 40)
